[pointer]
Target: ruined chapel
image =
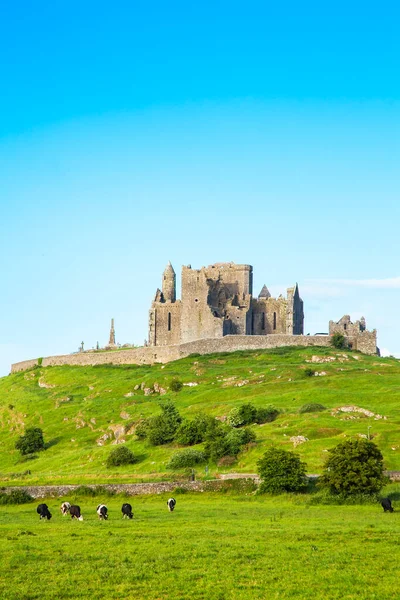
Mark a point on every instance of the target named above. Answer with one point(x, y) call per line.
point(217, 301)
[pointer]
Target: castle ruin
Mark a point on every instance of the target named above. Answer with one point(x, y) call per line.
point(217, 301)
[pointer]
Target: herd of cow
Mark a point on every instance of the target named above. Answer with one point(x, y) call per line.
point(75, 511)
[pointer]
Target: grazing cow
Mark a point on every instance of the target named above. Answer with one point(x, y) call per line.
point(127, 511)
point(65, 506)
point(387, 505)
point(43, 511)
point(102, 512)
point(171, 504)
point(75, 512)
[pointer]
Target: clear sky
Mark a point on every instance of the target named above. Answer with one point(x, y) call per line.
point(133, 133)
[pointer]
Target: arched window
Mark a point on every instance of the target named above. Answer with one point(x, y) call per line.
point(169, 321)
point(274, 320)
point(263, 320)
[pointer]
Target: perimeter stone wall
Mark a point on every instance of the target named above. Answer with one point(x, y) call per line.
point(164, 354)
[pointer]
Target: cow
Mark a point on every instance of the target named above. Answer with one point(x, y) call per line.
point(65, 507)
point(75, 512)
point(127, 511)
point(102, 512)
point(386, 504)
point(171, 504)
point(43, 511)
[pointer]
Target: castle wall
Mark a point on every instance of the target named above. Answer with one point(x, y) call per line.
point(165, 324)
point(164, 354)
point(269, 316)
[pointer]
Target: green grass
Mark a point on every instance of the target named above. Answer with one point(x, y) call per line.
point(212, 547)
point(86, 401)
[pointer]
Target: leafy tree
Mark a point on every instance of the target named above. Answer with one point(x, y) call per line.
point(246, 414)
point(193, 431)
point(227, 441)
point(354, 467)
point(338, 340)
point(31, 441)
point(121, 456)
point(161, 429)
point(281, 471)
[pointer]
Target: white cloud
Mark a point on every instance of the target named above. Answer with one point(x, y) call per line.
point(386, 352)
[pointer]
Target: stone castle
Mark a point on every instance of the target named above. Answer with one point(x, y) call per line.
point(216, 313)
point(217, 301)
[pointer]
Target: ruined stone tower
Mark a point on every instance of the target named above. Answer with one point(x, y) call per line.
point(216, 301)
point(111, 341)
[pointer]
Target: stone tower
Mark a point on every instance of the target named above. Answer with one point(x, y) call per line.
point(111, 341)
point(169, 283)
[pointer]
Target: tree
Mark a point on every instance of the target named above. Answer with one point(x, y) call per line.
point(161, 429)
point(31, 441)
point(338, 340)
point(281, 471)
point(354, 467)
point(121, 456)
point(193, 431)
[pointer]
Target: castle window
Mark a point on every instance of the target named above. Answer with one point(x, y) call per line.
point(345, 326)
point(274, 326)
point(263, 320)
point(169, 321)
point(196, 299)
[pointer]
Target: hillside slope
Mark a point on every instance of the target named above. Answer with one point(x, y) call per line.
point(80, 408)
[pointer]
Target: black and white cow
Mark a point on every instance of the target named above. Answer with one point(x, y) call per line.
point(387, 505)
point(171, 504)
point(127, 511)
point(65, 508)
point(102, 512)
point(75, 512)
point(43, 511)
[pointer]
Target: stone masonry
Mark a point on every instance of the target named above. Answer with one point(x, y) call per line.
point(217, 301)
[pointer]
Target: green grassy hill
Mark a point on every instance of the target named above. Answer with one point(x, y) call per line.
point(79, 408)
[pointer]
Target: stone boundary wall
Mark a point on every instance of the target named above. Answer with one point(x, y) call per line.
point(131, 489)
point(164, 354)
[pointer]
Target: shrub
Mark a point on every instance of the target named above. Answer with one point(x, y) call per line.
point(194, 431)
point(227, 442)
point(311, 407)
point(309, 372)
point(161, 429)
point(121, 456)
point(142, 429)
point(281, 471)
point(186, 458)
point(266, 414)
point(237, 438)
point(31, 441)
point(176, 385)
point(40, 361)
point(15, 497)
point(235, 418)
point(354, 467)
point(338, 340)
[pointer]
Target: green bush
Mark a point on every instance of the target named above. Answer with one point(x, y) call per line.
point(227, 441)
point(235, 418)
point(266, 414)
point(311, 407)
point(338, 340)
point(31, 441)
point(354, 467)
point(237, 438)
point(193, 431)
point(15, 497)
point(142, 428)
point(162, 428)
point(186, 458)
point(281, 471)
point(121, 456)
point(175, 385)
point(309, 372)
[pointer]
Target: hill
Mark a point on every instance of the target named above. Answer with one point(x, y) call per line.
point(82, 409)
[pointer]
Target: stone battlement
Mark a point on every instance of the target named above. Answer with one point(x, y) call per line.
point(164, 354)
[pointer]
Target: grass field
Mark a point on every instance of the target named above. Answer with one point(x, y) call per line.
point(212, 547)
point(76, 406)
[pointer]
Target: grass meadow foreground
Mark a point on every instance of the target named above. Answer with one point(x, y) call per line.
point(213, 546)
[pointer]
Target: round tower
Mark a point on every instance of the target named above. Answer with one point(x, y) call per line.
point(169, 284)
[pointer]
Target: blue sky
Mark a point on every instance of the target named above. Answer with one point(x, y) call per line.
point(136, 133)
